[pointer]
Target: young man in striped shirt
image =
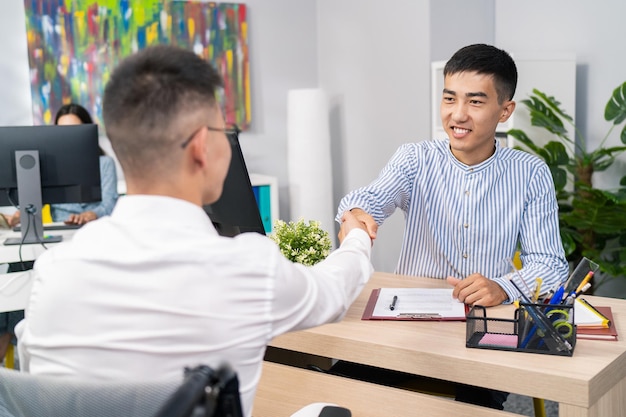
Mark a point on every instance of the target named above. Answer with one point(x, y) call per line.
point(469, 203)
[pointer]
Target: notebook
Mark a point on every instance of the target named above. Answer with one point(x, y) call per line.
point(598, 333)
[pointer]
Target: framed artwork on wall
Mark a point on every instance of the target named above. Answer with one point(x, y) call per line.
point(74, 45)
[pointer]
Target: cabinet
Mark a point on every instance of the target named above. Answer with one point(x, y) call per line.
point(265, 190)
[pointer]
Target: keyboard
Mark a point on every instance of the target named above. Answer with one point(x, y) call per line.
point(54, 226)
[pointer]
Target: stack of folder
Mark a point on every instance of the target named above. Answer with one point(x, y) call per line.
point(593, 322)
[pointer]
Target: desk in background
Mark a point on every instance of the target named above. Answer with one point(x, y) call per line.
point(15, 287)
point(591, 383)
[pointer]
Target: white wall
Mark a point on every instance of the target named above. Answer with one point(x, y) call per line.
point(457, 23)
point(592, 32)
point(374, 63)
point(15, 101)
point(283, 55)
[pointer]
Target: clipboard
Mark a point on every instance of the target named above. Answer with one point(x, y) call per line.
point(426, 304)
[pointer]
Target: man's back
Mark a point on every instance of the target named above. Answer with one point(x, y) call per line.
point(153, 289)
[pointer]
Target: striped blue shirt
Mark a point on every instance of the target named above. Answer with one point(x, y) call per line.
point(464, 219)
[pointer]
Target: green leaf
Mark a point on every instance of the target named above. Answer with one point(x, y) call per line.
point(616, 107)
point(521, 137)
point(559, 176)
point(569, 244)
point(557, 154)
point(553, 104)
point(541, 116)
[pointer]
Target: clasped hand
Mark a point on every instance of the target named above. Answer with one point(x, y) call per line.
point(477, 289)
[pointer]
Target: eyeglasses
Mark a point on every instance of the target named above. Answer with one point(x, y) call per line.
point(228, 131)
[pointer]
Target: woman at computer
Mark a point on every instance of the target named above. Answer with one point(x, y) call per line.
point(81, 213)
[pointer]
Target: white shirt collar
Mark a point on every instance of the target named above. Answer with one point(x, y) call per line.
point(163, 211)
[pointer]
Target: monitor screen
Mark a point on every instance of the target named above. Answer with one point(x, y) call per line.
point(47, 165)
point(236, 211)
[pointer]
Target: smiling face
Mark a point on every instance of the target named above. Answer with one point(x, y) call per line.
point(470, 111)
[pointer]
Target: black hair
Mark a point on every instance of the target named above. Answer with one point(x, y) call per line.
point(489, 60)
point(146, 96)
point(78, 111)
point(75, 109)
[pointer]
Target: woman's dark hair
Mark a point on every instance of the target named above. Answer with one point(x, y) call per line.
point(78, 111)
point(75, 109)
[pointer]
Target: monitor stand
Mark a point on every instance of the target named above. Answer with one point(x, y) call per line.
point(29, 195)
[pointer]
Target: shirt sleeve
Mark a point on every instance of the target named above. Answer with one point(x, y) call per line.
point(392, 189)
point(108, 184)
point(542, 253)
point(308, 296)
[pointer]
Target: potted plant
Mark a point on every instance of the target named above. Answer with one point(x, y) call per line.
point(301, 242)
point(592, 220)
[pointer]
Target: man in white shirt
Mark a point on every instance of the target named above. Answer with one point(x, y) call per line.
point(153, 288)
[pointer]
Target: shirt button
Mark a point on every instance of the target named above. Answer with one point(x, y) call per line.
point(471, 170)
point(466, 192)
point(466, 225)
point(465, 255)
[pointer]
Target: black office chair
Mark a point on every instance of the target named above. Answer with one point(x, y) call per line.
point(204, 392)
point(209, 393)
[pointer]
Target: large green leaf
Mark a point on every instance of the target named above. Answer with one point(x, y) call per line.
point(543, 116)
point(598, 210)
point(602, 158)
point(553, 103)
point(559, 176)
point(521, 137)
point(616, 107)
point(556, 153)
point(569, 244)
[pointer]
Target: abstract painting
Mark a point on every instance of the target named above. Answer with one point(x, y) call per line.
point(73, 45)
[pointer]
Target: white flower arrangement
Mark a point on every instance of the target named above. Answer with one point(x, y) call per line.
point(300, 242)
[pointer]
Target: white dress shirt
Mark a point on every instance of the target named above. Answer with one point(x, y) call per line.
point(463, 219)
point(153, 288)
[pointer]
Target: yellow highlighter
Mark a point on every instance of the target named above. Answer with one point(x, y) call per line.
point(538, 283)
point(583, 283)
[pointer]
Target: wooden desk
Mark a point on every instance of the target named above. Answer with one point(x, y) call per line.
point(283, 390)
point(590, 383)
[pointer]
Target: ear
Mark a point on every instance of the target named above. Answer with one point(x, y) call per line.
point(507, 111)
point(197, 149)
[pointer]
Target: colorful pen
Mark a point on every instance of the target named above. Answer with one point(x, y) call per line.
point(584, 282)
point(558, 295)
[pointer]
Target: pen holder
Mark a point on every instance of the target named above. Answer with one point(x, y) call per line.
point(535, 328)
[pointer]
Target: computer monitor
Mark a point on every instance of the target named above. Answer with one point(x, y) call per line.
point(236, 211)
point(47, 165)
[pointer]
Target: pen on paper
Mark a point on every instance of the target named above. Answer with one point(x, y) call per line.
point(392, 306)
